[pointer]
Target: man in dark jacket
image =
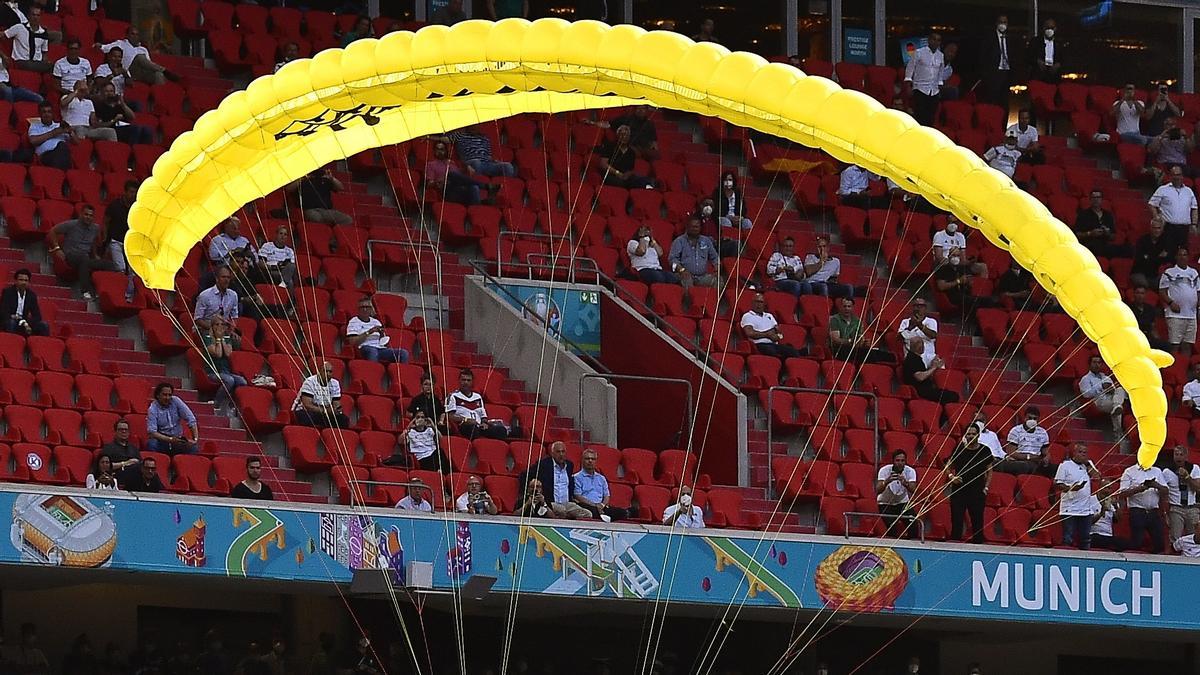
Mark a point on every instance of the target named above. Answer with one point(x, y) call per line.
point(557, 476)
point(19, 310)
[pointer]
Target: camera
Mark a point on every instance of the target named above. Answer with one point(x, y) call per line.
point(479, 504)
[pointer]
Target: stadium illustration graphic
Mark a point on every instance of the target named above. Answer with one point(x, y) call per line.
point(265, 529)
point(62, 530)
point(593, 562)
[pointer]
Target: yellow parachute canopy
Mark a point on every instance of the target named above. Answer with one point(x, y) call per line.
point(405, 85)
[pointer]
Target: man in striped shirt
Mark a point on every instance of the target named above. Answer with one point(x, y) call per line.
point(475, 150)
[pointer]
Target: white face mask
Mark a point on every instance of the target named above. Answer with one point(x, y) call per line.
point(1001, 28)
point(707, 210)
point(955, 260)
point(685, 500)
point(951, 228)
point(1031, 424)
point(1049, 33)
point(728, 183)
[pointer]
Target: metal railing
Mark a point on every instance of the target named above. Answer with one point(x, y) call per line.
point(771, 426)
point(912, 519)
point(552, 238)
point(425, 245)
point(687, 418)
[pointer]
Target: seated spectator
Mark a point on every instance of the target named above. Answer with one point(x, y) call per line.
point(1128, 112)
point(30, 40)
point(367, 333)
point(429, 403)
point(854, 187)
point(277, 260)
point(1175, 203)
point(122, 451)
point(112, 71)
point(787, 270)
point(420, 438)
point(1189, 546)
point(231, 239)
point(1014, 286)
point(170, 424)
point(1027, 138)
point(557, 474)
point(362, 29)
point(135, 58)
point(465, 411)
point(847, 341)
point(251, 303)
point(103, 476)
point(10, 92)
point(950, 240)
point(449, 14)
point(706, 34)
point(643, 136)
point(219, 343)
point(616, 162)
point(1147, 318)
point(731, 206)
point(71, 68)
point(533, 502)
point(1151, 253)
point(919, 375)
point(1095, 226)
point(821, 269)
point(316, 197)
point(1105, 394)
point(319, 401)
point(475, 499)
point(475, 150)
point(954, 281)
point(116, 224)
point(444, 177)
point(1183, 480)
point(1027, 447)
point(252, 486)
point(760, 327)
point(591, 490)
point(219, 300)
point(79, 113)
point(683, 513)
point(416, 499)
point(895, 485)
point(1172, 146)
point(147, 479)
point(1004, 158)
point(19, 309)
point(112, 111)
point(1104, 511)
point(921, 326)
point(1073, 482)
point(77, 242)
point(1190, 395)
point(693, 255)
point(1178, 286)
point(291, 52)
point(49, 139)
point(1144, 491)
point(645, 257)
point(988, 438)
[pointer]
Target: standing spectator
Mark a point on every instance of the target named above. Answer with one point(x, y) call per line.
point(1046, 54)
point(854, 186)
point(1191, 392)
point(170, 424)
point(616, 162)
point(1004, 158)
point(79, 113)
point(923, 80)
point(822, 270)
point(252, 486)
point(366, 332)
point(122, 451)
point(506, 9)
point(591, 490)
point(291, 52)
point(1151, 252)
point(645, 257)
point(116, 224)
point(19, 309)
point(1095, 226)
point(219, 300)
point(277, 260)
point(1189, 546)
point(219, 343)
point(420, 438)
point(996, 65)
point(1027, 446)
point(731, 213)
point(1178, 286)
point(1027, 137)
point(706, 34)
point(112, 111)
point(847, 341)
point(113, 70)
point(49, 138)
point(224, 245)
point(1104, 511)
point(921, 326)
point(1156, 114)
point(1175, 204)
point(316, 196)
point(691, 256)
point(76, 242)
point(416, 500)
point(30, 42)
point(533, 501)
point(643, 135)
point(444, 177)
point(475, 150)
point(103, 476)
point(319, 401)
point(1144, 491)
point(1074, 481)
point(1183, 479)
point(475, 500)
point(683, 513)
point(464, 408)
point(449, 14)
point(1170, 148)
point(557, 474)
point(1099, 388)
point(969, 476)
point(918, 374)
point(1147, 316)
point(760, 327)
point(1128, 112)
point(72, 68)
point(894, 487)
point(787, 269)
point(135, 59)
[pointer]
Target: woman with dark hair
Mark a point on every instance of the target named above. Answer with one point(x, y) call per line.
point(102, 476)
point(731, 214)
point(968, 475)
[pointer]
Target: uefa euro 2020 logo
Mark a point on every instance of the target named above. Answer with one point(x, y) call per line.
point(542, 308)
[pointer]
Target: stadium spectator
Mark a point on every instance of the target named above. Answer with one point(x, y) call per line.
point(847, 341)
point(30, 40)
point(591, 490)
point(953, 280)
point(706, 34)
point(921, 326)
point(475, 499)
point(122, 451)
point(616, 162)
point(822, 269)
point(731, 205)
point(1027, 137)
point(116, 224)
point(1147, 318)
point(760, 327)
point(103, 476)
point(1171, 147)
point(1004, 157)
point(1095, 226)
point(76, 242)
point(1189, 546)
point(1183, 479)
point(988, 438)
point(968, 478)
point(231, 239)
point(923, 80)
point(918, 373)
point(786, 269)
point(362, 29)
point(367, 333)
point(219, 343)
point(277, 260)
point(449, 14)
point(683, 513)
point(1106, 395)
point(49, 138)
point(643, 135)
point(894, 487)
point(1178, 286)
point(854, 185)
point(706, 212)
point(952, 241)
point(1144, 490)
point(1151, 252)
point(691, 256)
point(949, 91)
point(415, 500)
point(465, 410)
point(475, 150)
point(251, 303)
point(444, 177)
point(1128, 112)
point(996, 65)
point(556, 473)
point(420, 438)
point(216, 300)
point(147, 479)
point(1156, 114)
point(112, 71)
point(1074, 481)
point(1104, 511)
point(170, 424)
point(291, 52)
point(113, 111)
point(252, 486)
point(11, 92)
point(72, 68)
point(1175, 203)
point(316, 196)
point(25, 656)
point(135, 58)
point(429, 403)
point(319, 401)
point(533, 501)
point(1027, 446)
point(1046, 54)
point(645, 257)
point(19, 307)
point(1191, 392)
point(506, 9)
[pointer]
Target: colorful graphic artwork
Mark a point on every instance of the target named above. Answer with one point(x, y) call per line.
point(861, 579)
point(62, 530)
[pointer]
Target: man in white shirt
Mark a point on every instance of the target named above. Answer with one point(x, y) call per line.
point(475, 500)
point(29, 43)
point(786, 269)
point(79, 113)
point(366, 332)
point(1098, 387)
point(645, 256)
point(853, 187)
point(1175, 203)
point(822, 268)
point(895, 485)
point(466, 413)
point(1128, 111)
point(135, 58)
point(49, 138)
point(277, 260)
point(1026, 446)
point(1189, 546)
point(1183, 479)
point(72, 68)
point(1144, 490)
point(1178, 286)
point(947, 239)
point(416, 499)
point(760, 327)
point(319, 401)
point(1004, 158)
point(683, 513)
point(1027, 137)
point(988, 438)
point(1191, 392)
point(1074, 481)
point(921, 326)
point(231, 239)
point(923, 79)
point(113, 69)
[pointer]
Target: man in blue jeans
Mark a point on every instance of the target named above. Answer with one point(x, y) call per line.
point(166, 420)
point(475, 150)
point(367, 334)
point(1074, 481)
point(1144, 490)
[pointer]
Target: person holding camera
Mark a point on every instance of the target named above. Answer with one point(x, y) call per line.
point(894, 487)
point(533, 502)
point(1183, 480)
point(1073, 481)
point(421, 440)
point(475, 500)
point(19, 310)
point(954, 278)
point(645, 257)
point(316, 197)
point(1171, 147)
point(219, 344)
point(683, 513)
point(1144, 491)
point(1129, 112)
point(1155, 115)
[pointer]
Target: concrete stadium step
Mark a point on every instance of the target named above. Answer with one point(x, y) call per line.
point(302, 498)
point(100, 331)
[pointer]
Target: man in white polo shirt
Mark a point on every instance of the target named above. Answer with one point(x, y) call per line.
point(1074, 480)
point(1189, 546)
point(1027, 137)
point(923, 327)
point(1178, 286)
point(1026, 446)
point(760, 327)
point(1183, 480)
point(366, 332)
point(1191, 392)
point(1143, 490)
point(71, 68)
point(1098, 387)
point(1175, 203)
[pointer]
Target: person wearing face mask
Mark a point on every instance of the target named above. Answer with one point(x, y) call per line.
point(1004, 158)
point(923, 80)
point(1027, 446)
point(1046, 54)
point(953, 279)
point(1014, 287)
point(968, 476)
point(988, 438)
point(1178, 287)
point(1128, 112)
point(645, 257)
point(996, 61)
point(1073, 482)
point(952, 238)
point(683, 513)
point(731, 214)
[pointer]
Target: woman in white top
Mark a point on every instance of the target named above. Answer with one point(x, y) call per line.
point(421, 439)
point(645, 256)
point(102, 476)
point(1104, 511)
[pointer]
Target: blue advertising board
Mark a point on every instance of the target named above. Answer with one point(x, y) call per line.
point(271, 540)
point(909, 46)
point(566, 312)
point(858, 47)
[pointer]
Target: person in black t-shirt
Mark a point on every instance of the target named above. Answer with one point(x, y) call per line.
point(643, 137)
point(919, 375)
point(116, 224)
point(1095, 227)
point(112, 111)
point(1147, 316)
point(147, 479)
point(616, 162)
point(316, 198)
point(428, 403)
point(1151, 252)
point(968, 478)
point(954, 280)
point(252, 487)
point(1014, 286)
